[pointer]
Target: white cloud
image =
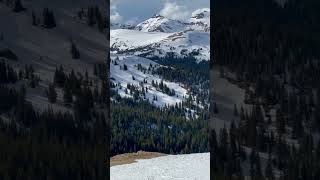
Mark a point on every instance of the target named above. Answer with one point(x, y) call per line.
point(116, 17)
point(174, 11)
point(113, 4)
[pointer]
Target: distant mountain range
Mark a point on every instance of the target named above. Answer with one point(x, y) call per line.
point(159, 35)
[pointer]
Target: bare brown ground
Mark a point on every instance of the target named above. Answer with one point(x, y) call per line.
point(129, 158)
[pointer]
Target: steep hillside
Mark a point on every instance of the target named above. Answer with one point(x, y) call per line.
point(48, 48)
point(52, 61)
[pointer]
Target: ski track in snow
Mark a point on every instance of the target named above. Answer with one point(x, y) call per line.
point(171, 167)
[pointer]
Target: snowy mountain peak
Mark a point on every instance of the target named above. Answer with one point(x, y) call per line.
point(157, 16)
point(201, 13)
point(159, 23)
point(200, 20)
point(159, 36)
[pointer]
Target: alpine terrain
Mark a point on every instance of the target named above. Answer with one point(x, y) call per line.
point(159, 93)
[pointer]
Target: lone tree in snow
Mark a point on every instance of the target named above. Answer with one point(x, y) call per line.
point(125, 67)
point(49, 20)
point(34, 19)
point(74, 51)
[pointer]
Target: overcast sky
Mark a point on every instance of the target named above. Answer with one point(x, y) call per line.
point(134, 11)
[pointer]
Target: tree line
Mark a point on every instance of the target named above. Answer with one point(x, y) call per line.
point(51, 144)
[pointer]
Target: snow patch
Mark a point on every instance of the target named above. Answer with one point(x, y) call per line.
point(171, 167)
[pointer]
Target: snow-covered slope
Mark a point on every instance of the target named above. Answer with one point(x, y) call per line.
point(172, 167)
point(158, 44)
point(159, 23)
point(124, 40)
point(46, 49)
point(123, 77)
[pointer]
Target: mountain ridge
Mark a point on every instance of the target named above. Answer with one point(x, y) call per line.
point(159, 36)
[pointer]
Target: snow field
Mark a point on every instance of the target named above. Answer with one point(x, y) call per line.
point(171, 167)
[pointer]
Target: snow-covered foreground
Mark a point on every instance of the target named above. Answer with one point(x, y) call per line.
point(171, 167)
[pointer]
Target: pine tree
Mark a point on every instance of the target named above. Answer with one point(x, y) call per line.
point(67, 95)
point(100, 20)
point(86, 80)
point(33, 81)
point(269, 171)
point(52, 94)
point(90, 16)
point(280, 122)
point(52, 20)
point(34, 19)
point(221, 70)
point(215, 108)
point(253, 170)
point(74, 51)
point(104, 91)
point(125, 67)
point(235, 110)
point(48, 18)
point(17, 6)
point(95, 70)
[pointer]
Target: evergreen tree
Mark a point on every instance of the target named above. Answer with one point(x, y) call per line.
point(67, 95)
point(95, 70)
point(280, 122)
point(125, 67)
point(269, 171)
point(48, 18)
point(52, 94)
point(75, 53)
point(34, 19)
point(91, 16)
point(215, 108)
point(17, 6)
point(33, 82)
point(235, 110)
